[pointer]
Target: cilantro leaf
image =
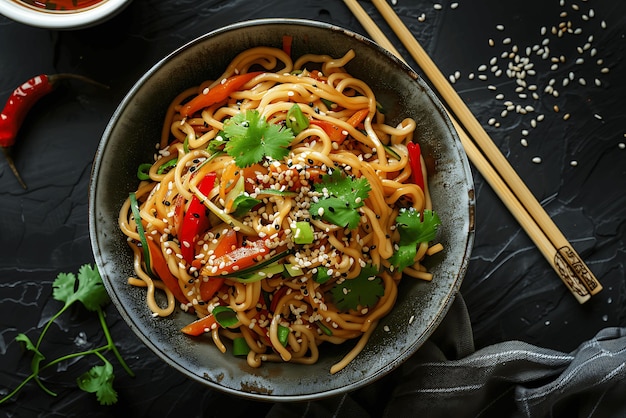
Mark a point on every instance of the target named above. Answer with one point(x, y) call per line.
point(38, 357)
point(90, 290)
point(343, 195)
point(361, 291)
point(217, 144)
point(251, 138)
point(243, 204)
point(413, 230)
point(99, 380)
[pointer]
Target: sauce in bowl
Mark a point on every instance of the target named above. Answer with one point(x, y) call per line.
point(61, 5)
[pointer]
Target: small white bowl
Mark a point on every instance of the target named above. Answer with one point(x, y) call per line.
point(21, 11)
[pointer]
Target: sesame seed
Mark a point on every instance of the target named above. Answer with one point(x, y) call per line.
point(573, 163)
point(437, 6)
point(536, 160)
point(500, 27)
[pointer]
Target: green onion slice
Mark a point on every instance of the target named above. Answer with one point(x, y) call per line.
point(134, 207)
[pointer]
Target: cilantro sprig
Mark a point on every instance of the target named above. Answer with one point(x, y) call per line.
point(88, 289)
point(342, 197)
point(251, 138)
point(359, 292)
point(414, 227)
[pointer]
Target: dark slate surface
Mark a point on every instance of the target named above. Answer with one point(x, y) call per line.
point(510, 290)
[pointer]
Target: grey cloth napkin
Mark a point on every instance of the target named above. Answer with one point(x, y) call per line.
point(447, 377)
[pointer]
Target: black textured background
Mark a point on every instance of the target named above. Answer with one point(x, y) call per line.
point(510, 290)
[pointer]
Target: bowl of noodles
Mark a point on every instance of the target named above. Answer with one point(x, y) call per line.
point(281, 210)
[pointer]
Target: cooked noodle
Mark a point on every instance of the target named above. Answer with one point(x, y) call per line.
point(372, 150)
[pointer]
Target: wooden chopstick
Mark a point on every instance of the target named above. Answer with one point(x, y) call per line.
point(496, 170)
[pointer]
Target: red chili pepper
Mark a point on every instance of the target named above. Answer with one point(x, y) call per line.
point(217, 93)
point(20, 102)
point(195, 220)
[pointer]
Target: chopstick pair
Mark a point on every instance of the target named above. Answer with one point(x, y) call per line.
point(488, 159)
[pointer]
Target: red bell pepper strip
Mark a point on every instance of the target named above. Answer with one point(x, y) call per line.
point(217, 93)
point(358, 117)
point(276, 297)
point(159, 267)
point(227, 242)
point(18, 105)
point(415, 161)
point(287, 41)
point(196, 220)
point(200, 326)
point(334, 132)
point(238, 259)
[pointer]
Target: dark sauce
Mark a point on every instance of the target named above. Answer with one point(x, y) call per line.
point(61, 5)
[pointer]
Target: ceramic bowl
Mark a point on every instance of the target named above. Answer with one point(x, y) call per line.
point(129, 140)
point(87, 12)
